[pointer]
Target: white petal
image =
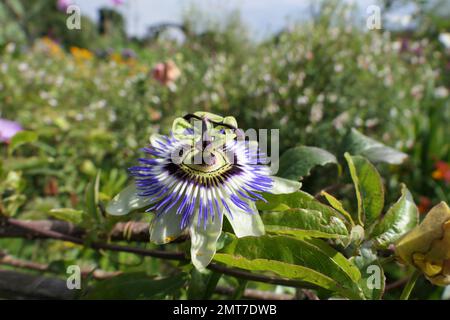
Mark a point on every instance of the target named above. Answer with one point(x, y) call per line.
point(126, 201)
point(281, 185)
point(204, 241)
point(245, 223)
point(157, 139)
point(166, 227)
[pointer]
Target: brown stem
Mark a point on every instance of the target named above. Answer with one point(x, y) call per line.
point(396, 284)
point(33, 229)
point(17, 285)
point(9, 260)
point(95, 245)
point(129, 231)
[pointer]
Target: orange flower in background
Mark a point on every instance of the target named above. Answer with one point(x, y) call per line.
point(119, 59)
point(49, 46)
point(442, 171)
point(424, 204)
point(166, 73)
point(81, 54)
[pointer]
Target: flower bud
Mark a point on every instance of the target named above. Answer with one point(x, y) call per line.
point(427, 246)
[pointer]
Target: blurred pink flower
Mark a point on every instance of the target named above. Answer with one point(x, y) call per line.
point(8, 129)
point(117, 2)
point(166, 72)
point(62, 5)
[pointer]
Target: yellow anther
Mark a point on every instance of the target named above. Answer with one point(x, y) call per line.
point(169, 239)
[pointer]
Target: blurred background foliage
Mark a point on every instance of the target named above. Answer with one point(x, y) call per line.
point(92, 97)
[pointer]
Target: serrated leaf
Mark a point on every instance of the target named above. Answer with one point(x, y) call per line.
point(299, 161)
point(67, 214)
point(358, 144)
point(372, 279)
point(400, 218)
point(305, 222)
point(310, 261)
point(21, 138)
point(368, 188)
point(137, 285)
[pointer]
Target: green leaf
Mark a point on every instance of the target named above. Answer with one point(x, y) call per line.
point(67, 214)
point(137, 285)
point(295, 200)
point(336, 204)
point(21, 138)
point(368, 187)
point(305, 222)
point(92, 198)
point(310, 261)
point(402, 217)
point(298, 162)
point(202, 284)
point(299, 214)
point(372, 279)
point(19, 164)
point(358, 144)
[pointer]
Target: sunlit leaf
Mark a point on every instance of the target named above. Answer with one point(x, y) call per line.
point(400, 218)
point(368, 187)
point(299, 161)
point(358, 144)
point(305, 222)
point(300, 214)
point(310, 261)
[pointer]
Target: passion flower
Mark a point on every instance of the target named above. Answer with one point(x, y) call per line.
point(194, 177)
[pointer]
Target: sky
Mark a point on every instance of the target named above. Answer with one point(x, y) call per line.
point(263, 17)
